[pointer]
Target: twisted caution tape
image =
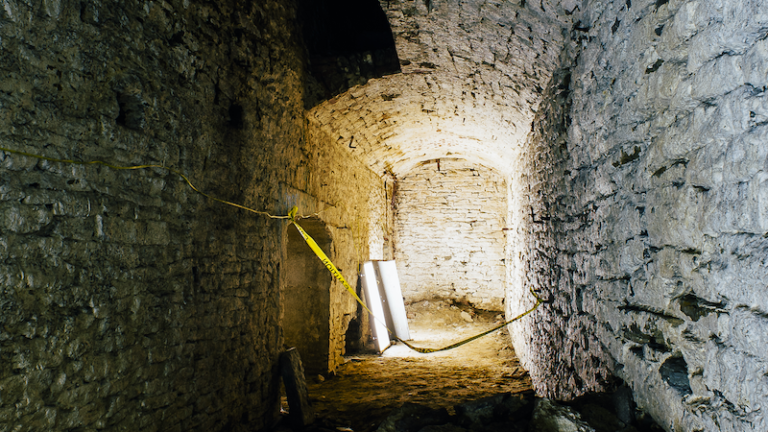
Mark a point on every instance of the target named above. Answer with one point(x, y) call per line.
point(337, 274)
point(292, 216)
point(138, 167)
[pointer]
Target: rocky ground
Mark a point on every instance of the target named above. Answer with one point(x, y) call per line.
point(477, 387)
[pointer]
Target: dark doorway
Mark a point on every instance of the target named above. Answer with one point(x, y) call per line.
point(306, 297)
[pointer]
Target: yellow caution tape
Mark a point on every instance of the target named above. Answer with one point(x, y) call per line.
point(137, 167)
point(337, 274)
point(324, 258)
point(292, 215)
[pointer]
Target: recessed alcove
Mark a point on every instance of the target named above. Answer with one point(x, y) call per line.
point(305, 297)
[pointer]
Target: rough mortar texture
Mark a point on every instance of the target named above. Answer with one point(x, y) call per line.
point(645, 216)
point(558, 344)
point(449, 240)
point(127, 301)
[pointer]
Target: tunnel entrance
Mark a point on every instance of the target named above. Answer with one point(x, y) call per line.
point(306, 297)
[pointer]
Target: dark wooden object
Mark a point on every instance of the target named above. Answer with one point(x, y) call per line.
point(292, 372)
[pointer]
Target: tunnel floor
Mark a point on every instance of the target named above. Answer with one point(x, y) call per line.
point(366, 388)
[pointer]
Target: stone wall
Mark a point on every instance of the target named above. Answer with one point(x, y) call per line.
point(449, 240)
point(644, 222)
point(128, 301)
point(353, 204)
point(548, 246)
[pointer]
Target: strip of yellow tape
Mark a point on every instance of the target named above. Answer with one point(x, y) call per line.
point(337, 274)
point(138, 167)
point(292, 215)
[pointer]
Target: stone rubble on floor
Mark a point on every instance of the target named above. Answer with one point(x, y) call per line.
point(524, 412)
point(518, 412)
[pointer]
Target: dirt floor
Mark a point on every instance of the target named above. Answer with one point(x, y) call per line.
point(368, 387)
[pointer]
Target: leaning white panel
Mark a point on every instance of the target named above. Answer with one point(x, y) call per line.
point(391, 282)
point(374, 304)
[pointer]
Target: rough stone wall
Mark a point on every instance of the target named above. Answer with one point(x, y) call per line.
point(449, 240)
point(127, 301)
point(548, 243)
point(352, 199)
point(649, 222)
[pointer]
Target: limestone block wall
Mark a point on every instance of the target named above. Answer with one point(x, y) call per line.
point(127, 301)
point(449, 241)
point(352, 201)
point(645, 222)
point(549, 251)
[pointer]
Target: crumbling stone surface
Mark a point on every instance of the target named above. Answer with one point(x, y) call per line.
point(449, 223)
point(128, 301)
point(561, 347)
point(413, 417)
point(646, 223)
point(494, 410)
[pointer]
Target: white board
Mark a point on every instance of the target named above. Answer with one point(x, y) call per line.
point(387, 271)
point(373, 299)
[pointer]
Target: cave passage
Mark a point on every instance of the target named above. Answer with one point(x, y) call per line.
point(609, 155)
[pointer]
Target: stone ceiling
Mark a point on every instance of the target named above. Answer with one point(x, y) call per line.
point(472, 75)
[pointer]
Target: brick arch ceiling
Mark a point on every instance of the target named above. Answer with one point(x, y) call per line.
point(472, 75)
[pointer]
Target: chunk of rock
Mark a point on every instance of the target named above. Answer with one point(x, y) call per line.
point(466, 316)
point(549, 416)
point(292, 371)
point(474, 415)
point(606, 412)
point(412, 417)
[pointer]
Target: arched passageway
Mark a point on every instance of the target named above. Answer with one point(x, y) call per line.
point(603, 120)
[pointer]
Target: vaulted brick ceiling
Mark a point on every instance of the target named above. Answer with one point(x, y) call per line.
point(472, 75)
